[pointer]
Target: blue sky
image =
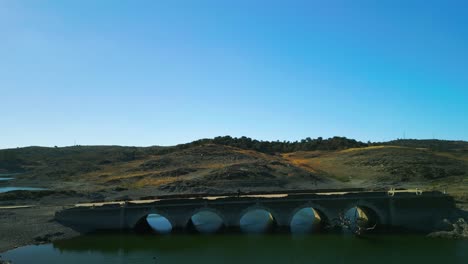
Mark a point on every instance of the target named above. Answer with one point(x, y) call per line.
point(166, 72)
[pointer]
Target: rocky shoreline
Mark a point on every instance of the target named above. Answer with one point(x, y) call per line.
point(458, 230)
point(29, 226)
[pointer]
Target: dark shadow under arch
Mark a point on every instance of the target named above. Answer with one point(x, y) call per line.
point(142, 226)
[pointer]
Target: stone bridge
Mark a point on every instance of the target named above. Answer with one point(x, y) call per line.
point(405, 209)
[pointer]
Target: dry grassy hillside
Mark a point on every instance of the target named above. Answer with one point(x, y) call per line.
point(137, 172)
point(388, 166)
point(207, 168)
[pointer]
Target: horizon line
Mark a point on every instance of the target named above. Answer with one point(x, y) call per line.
point(271, 141)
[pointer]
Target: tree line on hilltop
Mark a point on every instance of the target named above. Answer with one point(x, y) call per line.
point(307, 144)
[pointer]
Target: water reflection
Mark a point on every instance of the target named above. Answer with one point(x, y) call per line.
point(13, 188)
point(159, 223)
point(207, 222)
point(305, 220)
point(9, 174)
point(5, 179)
point(256, 221)
point(234, 249)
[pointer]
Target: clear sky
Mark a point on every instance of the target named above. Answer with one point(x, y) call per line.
point(166, 72)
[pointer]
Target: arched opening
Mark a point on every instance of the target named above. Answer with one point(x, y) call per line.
point(257, 221)
point(206, 222)
point(360, 219)
point(306, 220)
point(155, 223)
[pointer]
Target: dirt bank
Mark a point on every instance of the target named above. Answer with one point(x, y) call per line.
point(26, 226)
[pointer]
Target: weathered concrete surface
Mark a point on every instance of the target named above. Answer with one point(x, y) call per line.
point(410, 209)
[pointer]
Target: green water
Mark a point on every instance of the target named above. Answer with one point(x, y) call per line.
point(128, 248)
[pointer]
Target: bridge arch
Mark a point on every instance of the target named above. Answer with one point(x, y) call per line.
point(141, 225)
point(368, 212)
point(377, 212)
point(257, 219)
point(323, 215)
point(210, 220)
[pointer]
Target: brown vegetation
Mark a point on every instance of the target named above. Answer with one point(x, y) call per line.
point(203, 166)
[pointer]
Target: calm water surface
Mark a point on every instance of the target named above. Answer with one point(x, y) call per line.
point(243, 249)
point(15, 188)
point(5, 179)
point(9, 174)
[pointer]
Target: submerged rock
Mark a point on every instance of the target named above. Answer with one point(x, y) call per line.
point(4, 261)
point(459, 230)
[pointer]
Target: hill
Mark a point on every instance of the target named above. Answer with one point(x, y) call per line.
point(226, 164)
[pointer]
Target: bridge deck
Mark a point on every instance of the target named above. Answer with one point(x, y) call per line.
point(253, 195)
